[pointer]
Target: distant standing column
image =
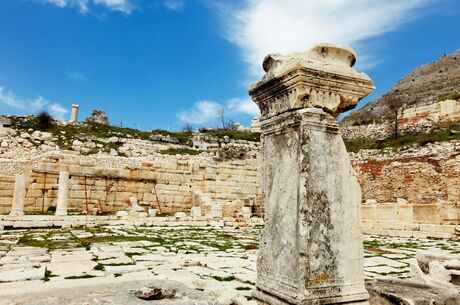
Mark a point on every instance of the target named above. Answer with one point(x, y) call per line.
point(63, 193)
point(19, 196)
point(74, 113)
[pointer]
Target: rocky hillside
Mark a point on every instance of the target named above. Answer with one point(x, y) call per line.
point(25, 137)
point(424, 86)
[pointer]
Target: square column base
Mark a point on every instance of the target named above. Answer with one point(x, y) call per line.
point(264, 298)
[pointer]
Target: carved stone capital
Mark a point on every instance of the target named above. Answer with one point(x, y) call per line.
point(321, 77)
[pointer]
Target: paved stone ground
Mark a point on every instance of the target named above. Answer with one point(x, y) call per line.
point(221, 262)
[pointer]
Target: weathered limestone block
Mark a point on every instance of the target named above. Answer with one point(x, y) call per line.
point(246, 212)
point(195, 212)
point(19, 196)
point(310, 251)
point(216, 211)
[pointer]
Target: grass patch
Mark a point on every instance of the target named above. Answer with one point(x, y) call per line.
point(99, 267)
point(131, 254)
point(453, 95)
point(74, 242)
point(243, 288)
point(180, 151)
point(48, 275)
point(372, 243)
point(223, 278)
point(251, 247)
point(184, 138)
point(77, 277)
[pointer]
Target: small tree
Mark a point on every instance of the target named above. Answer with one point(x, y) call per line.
point(188, 128)
point(45, 121)
point(394, 104)
point(230, 124)
point(222, 117)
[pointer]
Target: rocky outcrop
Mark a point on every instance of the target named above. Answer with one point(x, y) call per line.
point(434, 279)
point(397, 292)
point(421, 87)
point(98, 117)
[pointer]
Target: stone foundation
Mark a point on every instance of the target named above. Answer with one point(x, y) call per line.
point(168, 185)
point(411, 220)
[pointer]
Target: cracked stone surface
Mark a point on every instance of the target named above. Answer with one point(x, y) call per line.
point(220, 262)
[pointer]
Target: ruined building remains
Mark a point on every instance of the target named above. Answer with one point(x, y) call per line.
point(310, 251)
point(72, 184)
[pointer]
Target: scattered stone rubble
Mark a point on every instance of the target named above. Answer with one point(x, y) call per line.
point(434, 279)
point(98, 117)
point(20, 145)
point(380, 131)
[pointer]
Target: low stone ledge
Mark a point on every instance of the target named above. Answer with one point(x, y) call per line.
point(44, 221)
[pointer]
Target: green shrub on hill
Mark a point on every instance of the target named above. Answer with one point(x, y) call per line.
point(180, 151)
point(453, 95)
point(451, 132)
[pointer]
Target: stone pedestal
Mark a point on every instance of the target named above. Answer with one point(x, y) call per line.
point(19, 196)
point(311, 249)
point(63, 193)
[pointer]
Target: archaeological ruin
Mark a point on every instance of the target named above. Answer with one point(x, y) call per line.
point(271, 214)
point(310, 250)
point(245, 152)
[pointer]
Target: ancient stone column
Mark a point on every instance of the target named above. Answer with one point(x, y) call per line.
point(311, 251)
point(19, 196)
point(63, 194)
point(74, 113)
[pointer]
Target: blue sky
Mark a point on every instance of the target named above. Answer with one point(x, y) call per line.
point(162, 63)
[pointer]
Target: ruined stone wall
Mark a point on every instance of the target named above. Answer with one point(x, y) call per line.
point(414, 125)
point(447, 110)
point(421, 175)
point(104, 185)
point(427, 178)
point(413, 120)
point(411, 220)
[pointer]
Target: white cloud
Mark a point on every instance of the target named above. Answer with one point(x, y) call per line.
point(39, 103)
point(58, 111)
point(76, 76)
point(201, 112)
point(32, 105)
point(124, 6)
point(60, 3)
point(260, 27)
point(9, 99)
point(245, 106)
point(207, 111)
point(174, 5)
